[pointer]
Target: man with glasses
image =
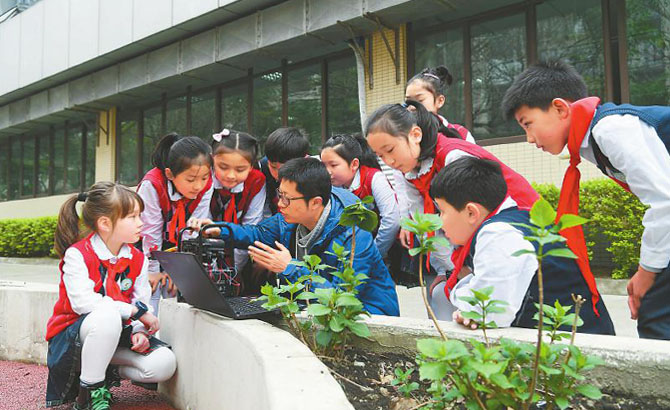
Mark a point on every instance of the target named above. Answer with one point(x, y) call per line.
point(307, 223)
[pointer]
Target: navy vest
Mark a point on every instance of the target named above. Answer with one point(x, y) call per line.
point(656, 116)
point(561, 277)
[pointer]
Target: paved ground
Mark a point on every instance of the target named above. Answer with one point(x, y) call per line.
point(23, 386)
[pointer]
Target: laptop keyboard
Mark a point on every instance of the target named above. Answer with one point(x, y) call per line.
point(244, 306)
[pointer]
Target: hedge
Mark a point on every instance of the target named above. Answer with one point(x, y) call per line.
point(615, 225)
point(27, 237)
point(613, 233)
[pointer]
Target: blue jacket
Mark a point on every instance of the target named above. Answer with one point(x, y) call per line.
point(377, 293)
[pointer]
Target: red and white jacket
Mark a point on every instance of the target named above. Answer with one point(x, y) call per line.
point(161, 202)
point(242, 204)
point(87, 283)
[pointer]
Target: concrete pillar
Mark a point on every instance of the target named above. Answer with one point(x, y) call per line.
point(105, 152)
point(385, 89)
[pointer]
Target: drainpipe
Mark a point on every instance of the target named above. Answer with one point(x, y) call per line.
point(360, 73)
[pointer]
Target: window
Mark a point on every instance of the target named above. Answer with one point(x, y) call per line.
point(91, 130)
point(304, 102)
point(343, 112)
point(498, 55)
point(151, 125)
point(445, 48)
point(267, 104)
point(648, 36)
point(234, 108)
point(59, 160)
point(572, 31)
point(74, 163)
point(15, 168)
point(175, 115)
point(43, 164)
point(4, 169)
point(28, 165)
point(127, 148)
point(203, 115)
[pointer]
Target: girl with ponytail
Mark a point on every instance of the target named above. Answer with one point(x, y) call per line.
point(352, 165)
point(410, 141)
point(177, 188)
point(429, 88)
point(101, 317)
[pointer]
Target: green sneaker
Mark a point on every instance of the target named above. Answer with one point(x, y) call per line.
point(95, 397)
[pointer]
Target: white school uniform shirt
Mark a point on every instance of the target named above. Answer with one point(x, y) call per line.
point(152, 217)
point(389, 212)
point(254, 216)
point(468, 137)
point(494, 265)
point(441, 258)
point(635, 149)
point(80, 288)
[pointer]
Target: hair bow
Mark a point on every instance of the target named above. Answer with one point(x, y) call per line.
point(220, 135)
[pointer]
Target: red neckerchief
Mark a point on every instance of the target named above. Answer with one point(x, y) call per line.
point(178, 221)
point(459, 254)
point(113, 270)
point(230, 213)
point(363, 176)
point(582, 112)
point(422, 184)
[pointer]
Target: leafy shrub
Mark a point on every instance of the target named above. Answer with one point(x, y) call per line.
point(27, 237)
point(615, 217)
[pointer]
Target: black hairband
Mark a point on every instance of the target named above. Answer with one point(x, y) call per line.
point(82, 196)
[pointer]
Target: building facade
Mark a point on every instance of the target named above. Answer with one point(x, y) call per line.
point(87, 87)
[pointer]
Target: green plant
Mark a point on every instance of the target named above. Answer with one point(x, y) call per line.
point(616, 220)
point(335, 313)
point(405, 385)
point(511, 374)
point(481, 300)
point(27, 237)
point(422, 225)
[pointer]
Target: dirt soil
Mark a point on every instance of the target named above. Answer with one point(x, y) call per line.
point(366, 379)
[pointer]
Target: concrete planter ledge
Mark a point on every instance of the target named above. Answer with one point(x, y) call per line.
point(633, 367)
point(221, 363)
point(247, 364)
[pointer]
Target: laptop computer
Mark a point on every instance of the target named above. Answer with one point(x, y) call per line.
point(198, 289)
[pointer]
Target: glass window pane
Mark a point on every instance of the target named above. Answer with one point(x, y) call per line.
point(234, 102)
point(4, 169)
point(15, 164)
point(74, 165)
point(59, 160)
point(304, 102)
point(571, 30)
point(203, 115)
point(648, 35)
point(152, 134)
point(28, 165)
point(43, 158)
point(91, 141)
point(267, 104)
point(175, 116)
point(498, 55)
point(445, 48)
point(127, 150)
point(343, 111)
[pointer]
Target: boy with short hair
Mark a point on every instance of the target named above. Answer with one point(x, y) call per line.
point(282, 145)
point(629, 144)
point(477, 214)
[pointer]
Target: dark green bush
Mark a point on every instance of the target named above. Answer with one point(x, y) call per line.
point(615, 217)
point(27, 237)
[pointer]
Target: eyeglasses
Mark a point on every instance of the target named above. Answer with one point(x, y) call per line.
point(285, 200)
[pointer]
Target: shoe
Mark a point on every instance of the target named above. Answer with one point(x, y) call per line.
point(148, 386)
point(93, 397)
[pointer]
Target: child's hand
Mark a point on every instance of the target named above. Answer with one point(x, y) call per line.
point(155, 279)
point(196, 224)
point(405, 238)
point(140, 342)
point(469, 323)
point(150, 322)
point(637, 287)
point(171, 287)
